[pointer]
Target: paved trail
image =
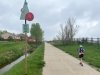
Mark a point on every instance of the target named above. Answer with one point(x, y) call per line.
point(60, 63)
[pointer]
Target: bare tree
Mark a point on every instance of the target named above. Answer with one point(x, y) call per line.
point(72, 28)
point(68, 32)
point(61, 34)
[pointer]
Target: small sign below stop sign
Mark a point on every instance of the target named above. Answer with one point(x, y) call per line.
point(29, 16)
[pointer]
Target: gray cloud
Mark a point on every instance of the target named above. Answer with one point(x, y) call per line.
point(51, 13)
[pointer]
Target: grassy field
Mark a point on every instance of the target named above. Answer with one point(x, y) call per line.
point(9, 51)
point(92, 52)
point(35, 64)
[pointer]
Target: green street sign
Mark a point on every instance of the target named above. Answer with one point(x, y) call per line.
point(25, 28)
point(24, 11)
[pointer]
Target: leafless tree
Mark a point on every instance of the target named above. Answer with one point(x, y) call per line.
point(68, 31)
point(71, 29)
point(61, 34)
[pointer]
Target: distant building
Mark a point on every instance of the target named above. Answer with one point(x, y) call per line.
point(22, 36)
point(30, 40)
point(6, 36)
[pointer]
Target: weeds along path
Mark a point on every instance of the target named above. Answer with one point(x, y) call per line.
point(60, 63)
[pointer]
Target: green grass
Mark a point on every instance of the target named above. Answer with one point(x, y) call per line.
point(4, 46)
point(35, 64)
point(9, 51)
point(92, 52)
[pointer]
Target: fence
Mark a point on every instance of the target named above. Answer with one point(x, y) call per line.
point(89, 40)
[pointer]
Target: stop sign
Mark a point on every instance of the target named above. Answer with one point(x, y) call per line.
point(29, 16)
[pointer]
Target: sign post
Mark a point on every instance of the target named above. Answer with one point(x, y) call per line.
point(26, 67)
point(26, 15)
point(25, 28)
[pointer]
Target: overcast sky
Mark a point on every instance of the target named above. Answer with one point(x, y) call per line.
point(51, 13)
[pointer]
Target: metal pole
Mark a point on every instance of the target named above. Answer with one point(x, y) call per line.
point(26, 71)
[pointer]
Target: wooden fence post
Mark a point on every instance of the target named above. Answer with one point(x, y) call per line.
point(98, 40)
point(92, 40)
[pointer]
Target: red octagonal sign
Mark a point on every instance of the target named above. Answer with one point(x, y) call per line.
point(29, 16)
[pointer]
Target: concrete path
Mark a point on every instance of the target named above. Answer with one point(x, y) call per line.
point(60, 63)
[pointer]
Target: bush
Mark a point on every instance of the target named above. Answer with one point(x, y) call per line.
point(10, 51)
